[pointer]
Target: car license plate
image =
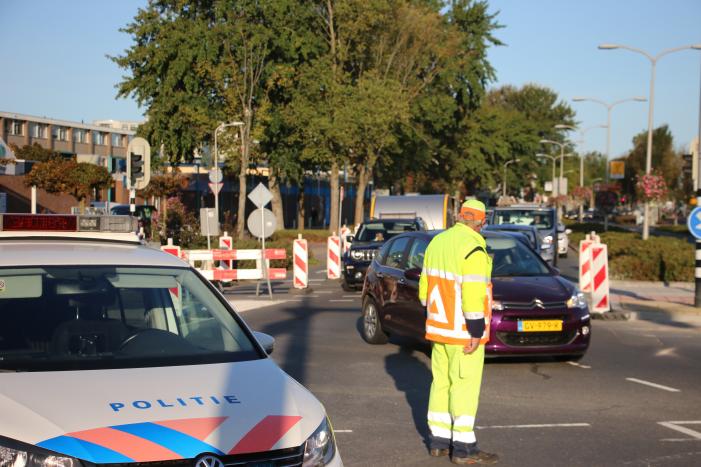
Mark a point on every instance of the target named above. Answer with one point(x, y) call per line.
point(541, 325)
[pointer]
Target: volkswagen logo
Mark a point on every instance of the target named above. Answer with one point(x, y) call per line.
point(209, 461)
point(537, 303)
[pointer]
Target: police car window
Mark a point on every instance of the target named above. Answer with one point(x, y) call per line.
point(539, 219)
point(395, 254)
point(416, 254)
point(57, 318)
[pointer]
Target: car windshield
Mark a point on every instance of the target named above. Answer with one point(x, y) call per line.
point(511, 257)
point(383, 230)
point(74, 318)
point(539, 219)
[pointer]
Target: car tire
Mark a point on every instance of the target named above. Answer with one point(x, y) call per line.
point(371, 327)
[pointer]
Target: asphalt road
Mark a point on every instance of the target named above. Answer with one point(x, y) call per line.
point(633, 400)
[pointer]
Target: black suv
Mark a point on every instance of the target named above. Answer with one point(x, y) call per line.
point(372, 234)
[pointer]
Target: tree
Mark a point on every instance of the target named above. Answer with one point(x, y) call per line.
point(665, 159)
point(164, 186)
point(59, 175)
point(34, 152)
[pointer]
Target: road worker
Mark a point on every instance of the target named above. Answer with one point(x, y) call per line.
point(455, 288)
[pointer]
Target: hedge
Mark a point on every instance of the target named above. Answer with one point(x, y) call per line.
point(631, 258)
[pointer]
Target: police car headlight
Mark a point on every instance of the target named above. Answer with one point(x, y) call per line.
point(577, 301)
point(320, 447)
point(14, 454)
point(356, 254)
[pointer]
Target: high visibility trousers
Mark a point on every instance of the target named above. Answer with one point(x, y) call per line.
point(452, 404)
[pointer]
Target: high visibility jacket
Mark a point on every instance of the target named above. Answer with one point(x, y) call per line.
point(455, 285)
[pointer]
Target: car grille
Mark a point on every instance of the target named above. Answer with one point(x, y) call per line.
point(367, 255)
point(534, 339)
point(289, 457)
point(533, 305)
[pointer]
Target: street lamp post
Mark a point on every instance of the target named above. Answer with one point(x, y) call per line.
point(653, 62)
point(503, 192)
point(562, 162)
point(581, 157)
point(216, 160)
point(198, 159)
point(552, 158)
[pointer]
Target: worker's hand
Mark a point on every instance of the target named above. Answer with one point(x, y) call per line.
point(472, 346)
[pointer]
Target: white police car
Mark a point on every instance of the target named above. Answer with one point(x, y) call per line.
point(112, 352)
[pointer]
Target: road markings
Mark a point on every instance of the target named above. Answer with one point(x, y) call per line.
point(695, 435)
point(541, 425)
point(652, 385)
point(579, 365)
point(325, 291)
point(342, 300)
point(350, 296)
point(343, 431)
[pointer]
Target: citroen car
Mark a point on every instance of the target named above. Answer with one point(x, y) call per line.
point(535, 312)
point(112, 352)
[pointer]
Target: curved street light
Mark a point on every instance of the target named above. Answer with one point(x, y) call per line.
point(503, 191)
point(653, 62)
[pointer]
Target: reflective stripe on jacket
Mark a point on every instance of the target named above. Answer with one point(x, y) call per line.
point(455, 285)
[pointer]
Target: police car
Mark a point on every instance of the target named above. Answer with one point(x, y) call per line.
point(112, 352)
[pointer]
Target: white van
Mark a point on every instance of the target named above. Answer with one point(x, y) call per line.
point(115, 353)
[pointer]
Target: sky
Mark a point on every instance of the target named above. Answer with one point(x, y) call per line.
point(54, 60)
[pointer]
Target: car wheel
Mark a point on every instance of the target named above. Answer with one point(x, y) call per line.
point(372, 328)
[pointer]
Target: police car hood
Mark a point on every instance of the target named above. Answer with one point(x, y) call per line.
point(155, 414)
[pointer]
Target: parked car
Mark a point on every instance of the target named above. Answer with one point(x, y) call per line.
point(528, 231)
point(563, 240)
point(372, 234)
point(535, 310)
point(543, 218)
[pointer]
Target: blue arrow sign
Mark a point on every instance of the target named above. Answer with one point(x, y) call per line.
point(694, 222)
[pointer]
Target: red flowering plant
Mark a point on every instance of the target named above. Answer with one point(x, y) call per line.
point(581, 194)
point(651, 187)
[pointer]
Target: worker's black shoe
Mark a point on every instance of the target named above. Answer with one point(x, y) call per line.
point(435, 452)
point(479, 457)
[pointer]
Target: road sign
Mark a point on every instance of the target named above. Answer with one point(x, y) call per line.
point(693, 223)
point(261, 225)
point(260, 196)
point(215, 187)
point(208, 223)
point(216, 175)
point(617, 170)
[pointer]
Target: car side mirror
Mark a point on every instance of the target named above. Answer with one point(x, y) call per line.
point(350, 238)
point(266, 341)
point(413, 274)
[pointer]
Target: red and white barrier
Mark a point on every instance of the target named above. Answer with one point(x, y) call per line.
point(226, 243)
point(585, 264)
point(206, 259)
point(333, 257)
point(345, 244)
point(300, 255)
point(600, 279)
point(171, 249)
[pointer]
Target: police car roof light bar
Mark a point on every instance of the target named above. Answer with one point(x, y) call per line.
point(66, 223)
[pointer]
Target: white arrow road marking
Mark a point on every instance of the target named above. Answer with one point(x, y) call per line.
point(652, 385)
point(695, 435)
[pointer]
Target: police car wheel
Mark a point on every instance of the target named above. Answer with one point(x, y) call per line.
point(372, 328)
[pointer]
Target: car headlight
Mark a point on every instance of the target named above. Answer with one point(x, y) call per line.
point(320, 447)
point(497, 305)
point(547, 241)
point(15, 454)
point(577, 301)
point(356, 254)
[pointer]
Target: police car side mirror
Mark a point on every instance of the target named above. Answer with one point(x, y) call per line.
point(266, 341)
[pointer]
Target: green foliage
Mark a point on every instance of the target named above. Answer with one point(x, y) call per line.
point(631, 258)
point(59, 175)
point(665, 159)
point(33, 152)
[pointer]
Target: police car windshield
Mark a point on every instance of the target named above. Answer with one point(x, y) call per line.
point(511, 257)
point(539, 219)
point(73, 318)
point(381, 231)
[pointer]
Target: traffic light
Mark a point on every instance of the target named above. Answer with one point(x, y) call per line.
point(138, 164)
point(688, 164)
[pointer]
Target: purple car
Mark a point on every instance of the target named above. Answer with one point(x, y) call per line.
point(535, 311)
